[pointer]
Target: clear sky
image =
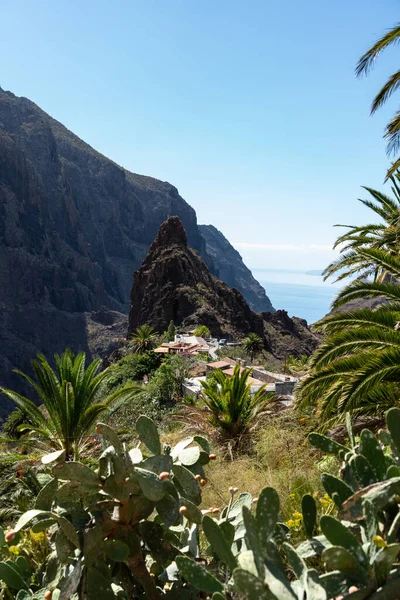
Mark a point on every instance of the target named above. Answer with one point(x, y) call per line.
point(249, 107)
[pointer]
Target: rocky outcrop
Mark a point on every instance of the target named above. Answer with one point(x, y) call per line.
point(232, 269)
point(174, 283)
point(74, 226)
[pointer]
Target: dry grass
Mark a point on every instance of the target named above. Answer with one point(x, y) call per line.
point(281, 458)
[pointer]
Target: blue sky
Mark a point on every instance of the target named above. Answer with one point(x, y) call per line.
point(251, 109)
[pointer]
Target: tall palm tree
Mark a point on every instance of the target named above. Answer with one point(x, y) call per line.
point(233, 407)
point(252, 345)
point(73, 398)
point(364, 65)
point(143, 339)
point(357, 367)
point(383, 235)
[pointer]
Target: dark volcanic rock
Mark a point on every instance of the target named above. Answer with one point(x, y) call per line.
point(232, 269)
point(175, 283)
point(74, 226)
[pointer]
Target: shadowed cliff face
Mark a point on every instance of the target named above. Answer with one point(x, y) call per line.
point(232, 269)
point(74, 226)
point(175, 283)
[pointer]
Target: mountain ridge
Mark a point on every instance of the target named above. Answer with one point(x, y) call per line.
point(74, 226)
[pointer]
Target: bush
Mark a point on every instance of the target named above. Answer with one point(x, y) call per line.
point(133, 368)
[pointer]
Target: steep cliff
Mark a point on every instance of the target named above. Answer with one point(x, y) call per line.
point(175, 283)
point(74, 226)
point(232, 269)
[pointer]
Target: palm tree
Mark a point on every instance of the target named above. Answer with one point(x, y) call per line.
point(233, 407)
point(252, 345)
point(73, 398)
point(143, 339)
point(364, 65)
point(383, 235)
point(357, 367)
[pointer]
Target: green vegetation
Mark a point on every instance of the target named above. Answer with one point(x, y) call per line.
point(73, 398)
point(133, 527)
point(356, 368)
point(252, 345)
point(202, 332)
point(233, 407)
point(143, 339)
point(364, 65)
point(170, 333)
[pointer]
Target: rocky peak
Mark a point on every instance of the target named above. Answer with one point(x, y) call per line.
point(175, 284)
point(170, 232)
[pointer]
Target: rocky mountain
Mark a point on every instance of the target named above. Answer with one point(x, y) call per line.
point(175, 283)
point(232, 269)
point(74, 226)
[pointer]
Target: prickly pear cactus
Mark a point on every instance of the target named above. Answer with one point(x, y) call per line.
point(115, 530)
point(252, 554)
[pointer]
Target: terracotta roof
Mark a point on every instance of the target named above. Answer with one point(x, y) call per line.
point(220, 364)
point(161, 350)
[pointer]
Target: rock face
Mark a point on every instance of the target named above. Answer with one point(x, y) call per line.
point(232, 269)
point(175, 283)
point(74, 226)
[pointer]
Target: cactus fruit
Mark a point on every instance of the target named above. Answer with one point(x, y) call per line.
point(212, 456)
point(164, 475)
point(10, 535)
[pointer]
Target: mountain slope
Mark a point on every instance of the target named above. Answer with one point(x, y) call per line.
point(74, 226)
point(232, 269)
point(175, 283)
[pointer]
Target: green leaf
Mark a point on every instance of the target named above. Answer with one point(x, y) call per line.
point(2, 537)
point(218, 542)
point(194, 514)
point(43, 524)
point(148, 433)
point(58, 456)
point(189, 456)
point(252, 539)
point(24, 595)
point(278, 583)
point(338, 558)
point(336, 488)
point(364, 472)
point(198, 576)
point(11, 577)
point(157, 463)
point(203, 443)
point(309, 511)
point(69, 531)
point(244, 499)
point(23, 567)
point(186, 484)
point(77, 472)
point(98, 586)
point(381, 495)
point(152, 487)
point(110, 435)
point(29, 516)
point(46, 496)
point(116, 550)
point(371, 519)
point(349, 428)
point(326, 444)
point(371, 449)
point(313, 546)
point(168, 509)
point(251, 587)
point(296, 562)
point(180, 446)
point(339, 535)
point(267, 513)
point(393, 423)
point(383, 562)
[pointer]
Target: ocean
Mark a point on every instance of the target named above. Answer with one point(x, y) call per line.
point(301, 293)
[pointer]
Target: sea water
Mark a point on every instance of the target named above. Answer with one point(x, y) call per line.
point(301, 293)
